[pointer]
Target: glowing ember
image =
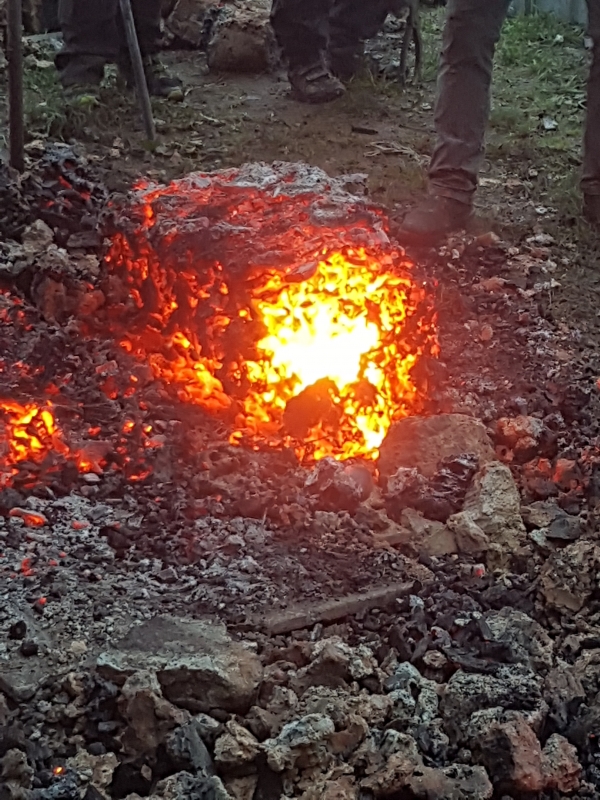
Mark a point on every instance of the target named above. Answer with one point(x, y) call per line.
point(273, 298)
point(27, 433)
point(340, 330)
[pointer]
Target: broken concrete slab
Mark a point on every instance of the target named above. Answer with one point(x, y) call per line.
point(198, 666)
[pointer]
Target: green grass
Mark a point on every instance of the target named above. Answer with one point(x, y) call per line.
point(540, 73)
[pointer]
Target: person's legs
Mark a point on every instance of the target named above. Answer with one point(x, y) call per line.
point(461, 114)
point(351, 22)
point(590, 181)
point(463, 100)
point(301, 28)
point(90, 39)
point(147, 22)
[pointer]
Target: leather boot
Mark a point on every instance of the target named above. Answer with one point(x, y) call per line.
point(433, 219)
point(160, 82)
point(315, 84)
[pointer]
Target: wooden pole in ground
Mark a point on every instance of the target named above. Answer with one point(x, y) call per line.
point(15, 84)
point(141, 85)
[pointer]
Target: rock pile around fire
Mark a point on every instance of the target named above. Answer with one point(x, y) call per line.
point(185, 619)
point(443, 686)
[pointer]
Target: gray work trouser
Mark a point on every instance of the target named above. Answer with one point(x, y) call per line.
point(463, 99)
point(307, 28)
point(95, 28)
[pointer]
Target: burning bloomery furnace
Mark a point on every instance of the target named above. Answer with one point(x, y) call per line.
point(270, 297)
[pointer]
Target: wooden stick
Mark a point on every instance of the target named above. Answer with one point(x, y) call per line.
point(327, 611)
point(141, 85)
point(15, 85)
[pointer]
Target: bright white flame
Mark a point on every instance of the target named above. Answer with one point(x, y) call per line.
point(328, 347)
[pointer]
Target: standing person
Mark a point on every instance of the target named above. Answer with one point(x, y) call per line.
point(461, 114)
point(94, 36)
point(323, 40)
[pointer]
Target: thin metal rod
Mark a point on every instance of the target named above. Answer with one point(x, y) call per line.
point(141, 85)
point(15, 84)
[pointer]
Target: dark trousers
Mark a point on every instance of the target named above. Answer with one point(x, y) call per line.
point(462, 107)
point(307, 28)
point(95, 28)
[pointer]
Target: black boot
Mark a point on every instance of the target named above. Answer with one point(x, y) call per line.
point(433, 219)
point(160, 82)
point(315, 84)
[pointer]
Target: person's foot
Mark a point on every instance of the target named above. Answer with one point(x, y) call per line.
point(433, 219)
point(591, 209)
point(345, 62)
point(315, 84)
point(160, 82)
point(80, 75)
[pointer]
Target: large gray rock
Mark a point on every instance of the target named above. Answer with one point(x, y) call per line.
point(199, 667)
point(422, 442)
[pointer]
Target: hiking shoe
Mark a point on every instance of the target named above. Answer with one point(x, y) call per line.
point(345, 62)
point(591, 209)
point(433, 219)
point(160, 82)
point(315, 84)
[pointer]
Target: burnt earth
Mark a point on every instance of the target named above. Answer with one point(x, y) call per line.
point(180, 523)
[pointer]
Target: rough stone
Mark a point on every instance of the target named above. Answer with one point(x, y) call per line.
point(186, 750)
point(429, 536)
point(513, 686)
point(526, 640)
point(187, 21)
point(302, 743)
point(97, 771)
point(20, 677)
point(236, 748)
point(493, 504)
point(469, 537)
point(562, 770)
point(199, 667)
point(242, 40)
point(334, 664)
point(564, 693)
point(570, 575)
point(343, 788)
point(183, 786)
point(548, 516)
point(422, 442)
point(405, 774)
point(524, 437)
point(242, 788)
point(512, 754)
point(149, 716)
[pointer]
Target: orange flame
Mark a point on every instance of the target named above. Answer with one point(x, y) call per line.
point(27, 433)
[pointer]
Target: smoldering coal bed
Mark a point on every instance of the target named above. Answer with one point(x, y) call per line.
point(272, 297)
